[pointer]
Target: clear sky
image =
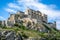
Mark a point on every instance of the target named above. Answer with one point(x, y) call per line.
point(49, 7)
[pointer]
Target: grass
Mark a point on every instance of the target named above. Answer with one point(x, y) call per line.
point(29, 33)
point(32, 33)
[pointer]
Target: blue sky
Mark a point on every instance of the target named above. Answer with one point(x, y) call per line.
point(3, 4)
point(49, 7)
point(56, 2)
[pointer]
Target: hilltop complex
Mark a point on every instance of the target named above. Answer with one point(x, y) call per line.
point(31, 19)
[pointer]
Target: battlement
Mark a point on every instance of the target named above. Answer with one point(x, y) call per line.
point(36, 15)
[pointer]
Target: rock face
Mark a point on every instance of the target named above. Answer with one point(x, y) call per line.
point(19, 37)
point(7, 35)
point(10, 35)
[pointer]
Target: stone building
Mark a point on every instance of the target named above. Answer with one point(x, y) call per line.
point(44, 18)
point(52, 25)
point(4, 23)
point(32, 16)
point(11, 20)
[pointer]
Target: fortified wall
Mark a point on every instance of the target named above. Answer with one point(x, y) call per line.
point(32, 16)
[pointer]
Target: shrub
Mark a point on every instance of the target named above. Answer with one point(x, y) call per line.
point(25, 36)
point(16, 24)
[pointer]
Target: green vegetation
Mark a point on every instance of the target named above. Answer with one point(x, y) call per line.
point(53, 33)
